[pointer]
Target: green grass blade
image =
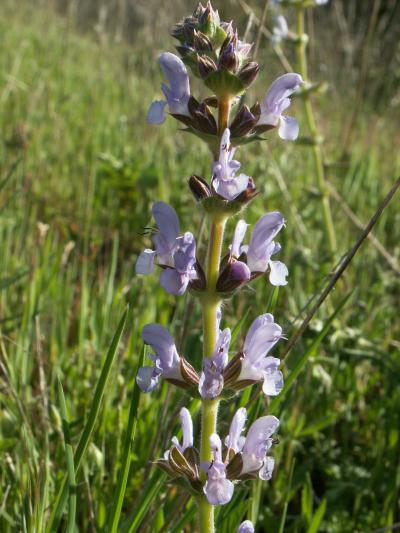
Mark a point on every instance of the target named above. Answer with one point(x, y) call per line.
point(126, 456)
point(287, 497)
point(89, 426)
point(149, 494)
point(310, 350)
point(317, 518)
point(239, 325)
point(188, 515)
point(69, 454)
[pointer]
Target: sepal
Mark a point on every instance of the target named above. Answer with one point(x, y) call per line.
point(199, 187)
point(224, 84)
point(234, 466)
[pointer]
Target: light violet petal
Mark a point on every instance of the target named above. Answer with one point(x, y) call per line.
point(238, 236)
point(210, 384)
point(288, 128)
point(156, 112)
point(281, 88)
point(239, 271)
point(278, 273)
point(185, 255)
point(280, 29)
point(261, 338)
point(246, 527)
point(178, 93)
point(237, 425)
point(163, 344)
point(273, 383)
point(258, 434)
point(216, 446)
point(219, 491)
point(260, 321)
point(261, 245)
point(147, 378)
point(167, 220)
point(187, 428)
point(231, 188)
point(267, 469)
point(145, 262)
point(173, 282)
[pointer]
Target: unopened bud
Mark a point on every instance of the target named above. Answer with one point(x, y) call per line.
point(228, 58)
point(205, 120)
point(249, 73)
point(233, 276)
point(243, 122)
point(199, 187)
point(206, 66)
point(185, 50)
point(201, 42)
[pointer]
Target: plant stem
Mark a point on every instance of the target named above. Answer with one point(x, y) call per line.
point(316, 149)
point(209, 408)
point(224, 107)
point(210, 305)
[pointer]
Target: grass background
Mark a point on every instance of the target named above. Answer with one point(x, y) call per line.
point(79, 172)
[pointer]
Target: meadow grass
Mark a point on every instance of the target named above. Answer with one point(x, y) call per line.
point(79, 171)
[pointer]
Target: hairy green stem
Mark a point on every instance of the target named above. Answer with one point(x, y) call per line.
point(316, 149)
point(210, 303)
point(209, 410)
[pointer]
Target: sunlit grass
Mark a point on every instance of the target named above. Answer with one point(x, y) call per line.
point(75, 154)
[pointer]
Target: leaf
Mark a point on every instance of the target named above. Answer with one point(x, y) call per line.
point(69, 455)
point(58, 508)
point(116, 508)
point(7, 282)
point(317, 518)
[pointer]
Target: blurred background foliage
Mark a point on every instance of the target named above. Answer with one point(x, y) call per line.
point(79, 172)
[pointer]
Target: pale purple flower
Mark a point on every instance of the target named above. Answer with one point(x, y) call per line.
point(211, 379)
point(262, 246)
point(187, 431)
point(225, 181)
point(246, 527)
point(176, 254)
point(276, 101)
point(258, 442)
point(175, 280)
point(257, 365)
point(167, 362)
point(235, 440)
point(280, 29)
point(218, 489)
point(165, 241)
point(176, 95)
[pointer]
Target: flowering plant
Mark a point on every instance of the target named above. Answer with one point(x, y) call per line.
point(211, 50)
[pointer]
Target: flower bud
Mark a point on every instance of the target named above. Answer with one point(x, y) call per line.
point(243, 122)
point(185, 50)
point(249, 73)
point(206, 66)
point(199, 187)
point(201, 42)
point(205, 120)
point(233, 276)
point(228, 58)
